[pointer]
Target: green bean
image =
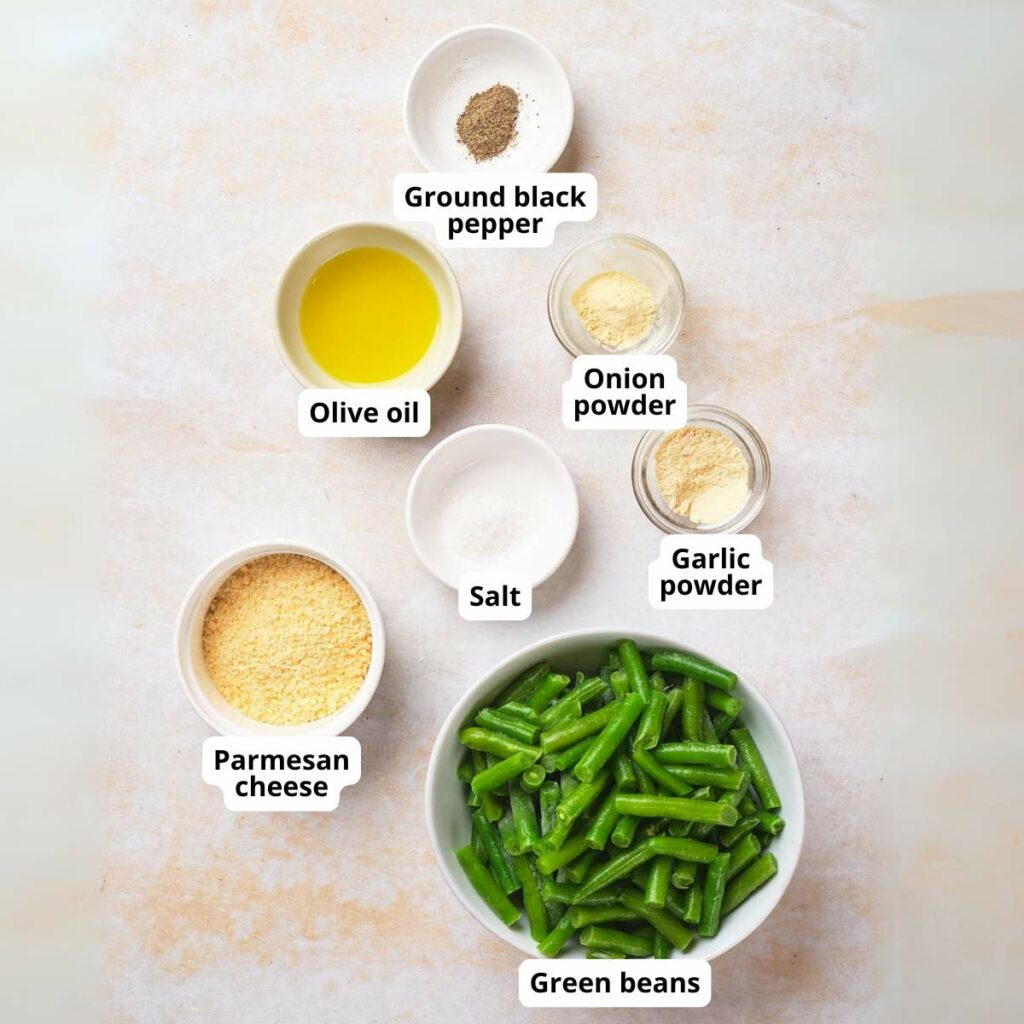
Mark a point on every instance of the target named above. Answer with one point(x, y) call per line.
point(581, 798)
point(583, 693)
point(513, 710)
point(743, 853)
point(731, 836)
point(662, 947)
point(562, 736)
point(524, 814)
point(552, 944)
point(714, 889)
point(584, 916)
point(691, 665)
point(663, 920)
point(608, 741)
point(710, 733)
point(465, 771)
point(759, 777)
point(722, 723)
point(678, 807)
point(602, 954)
point(770, 823)
point(550, 796)
point(693, 710)
point(660, 774)
point(553, 684)
point(613, 940)
point(747, 805)
point(692, 904)
point(649, 730)
point(633, 666)
point(714, 755)
point(657, 882)
point(488, 889)
point(674, 902)
point(490, 841)
point(723, 702)
point(551, 860)
point(578, 870)
point(683, 849)
point(566, 893)
point(532, 779)
point(732, 797)
point(564, 760)
point(673, 702)
point(748, 882)
point(702, 775)
point(516, 728)
point(638, 876)
point(684, 874)
point(602, 823)
point(494, 743)
point(619, 683)
point(616, 868)
point(536, 912)
point(624, 831)
point(622, 766)
point(509, 835)
point(679, 829)
point(498, 774)
point(657, 681)
point(488, 801)
point(518, 691)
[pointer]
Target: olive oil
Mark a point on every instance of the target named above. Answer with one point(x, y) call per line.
point(368, 315)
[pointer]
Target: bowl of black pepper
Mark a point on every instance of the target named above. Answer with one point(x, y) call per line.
point(488, 98)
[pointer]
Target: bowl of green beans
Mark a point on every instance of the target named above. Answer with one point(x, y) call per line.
point(613, 796)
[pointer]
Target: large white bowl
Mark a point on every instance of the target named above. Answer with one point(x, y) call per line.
point(204, 696)
point(314, 254)
point(469, 61)
point(448, 818)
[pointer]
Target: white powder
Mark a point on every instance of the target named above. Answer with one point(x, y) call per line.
point(490, 515)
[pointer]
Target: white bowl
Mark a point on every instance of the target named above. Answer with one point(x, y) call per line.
point(448, 817)
point(443, 484)
point(314, 254)
point(225, 718)
point(470, 61)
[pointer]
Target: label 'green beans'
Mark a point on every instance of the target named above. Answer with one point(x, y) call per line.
point(681, 664)
point(714, 755)
point(498, 774)
point(610, 738)
point(678, 807)
point(483, 881)
point(747, 883)
point(759, 777)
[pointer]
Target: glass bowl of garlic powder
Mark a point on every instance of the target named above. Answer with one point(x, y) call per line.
point(711, 476)
point(616, 295)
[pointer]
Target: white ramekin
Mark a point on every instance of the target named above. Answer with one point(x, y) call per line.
point(223, 717)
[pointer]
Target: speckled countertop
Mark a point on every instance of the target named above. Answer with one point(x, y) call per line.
point(735, 136)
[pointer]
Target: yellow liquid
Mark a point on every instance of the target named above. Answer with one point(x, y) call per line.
point(368, 315)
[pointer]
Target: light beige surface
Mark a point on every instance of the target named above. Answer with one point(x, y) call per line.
point(736, 137)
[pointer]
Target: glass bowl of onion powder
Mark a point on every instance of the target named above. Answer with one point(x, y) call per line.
point(711, 476)
point(616, 295)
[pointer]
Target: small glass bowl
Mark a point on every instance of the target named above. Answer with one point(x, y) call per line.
point(631, 255)
point(645, 481)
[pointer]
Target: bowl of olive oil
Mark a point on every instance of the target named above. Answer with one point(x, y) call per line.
point(368, 305)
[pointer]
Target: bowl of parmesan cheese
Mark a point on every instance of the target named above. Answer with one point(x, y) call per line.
point(279, 638)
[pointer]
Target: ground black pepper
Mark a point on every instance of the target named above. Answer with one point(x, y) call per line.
point(488, 124)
